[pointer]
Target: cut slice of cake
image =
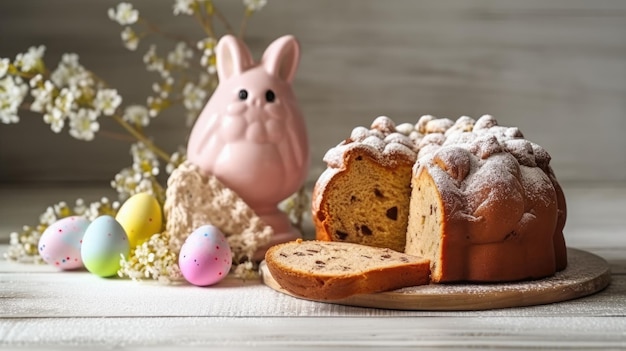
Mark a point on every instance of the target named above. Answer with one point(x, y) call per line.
point(334, 270)
point(363, 196)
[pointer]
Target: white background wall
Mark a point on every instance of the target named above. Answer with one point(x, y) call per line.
point(555, 69)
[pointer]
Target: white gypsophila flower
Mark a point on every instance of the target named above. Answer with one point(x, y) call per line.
point(164, 88)
point(84, 124)
point(145, 186)
point(136, 114)
point(154, 62)
point(48, 217)
point(209, 61)
point(184, 7)
point(31, 59)
point(124, 14)
point(55, 118)
point(107, 101)
point(61, 209)
point(180, 55)
point(206, 43)
point(12, 93)
point(65, 101)
point(35, 81)
point(254, 5)
point(130, 39)
point(193, 97)
point(80, 208)
point(125, 182)
point(58, 111)
point(4, 66)
point(145, 161)
point(71, 73)
point(155, 105)
point(42, 94)
point(102, 207)
point(176, 159)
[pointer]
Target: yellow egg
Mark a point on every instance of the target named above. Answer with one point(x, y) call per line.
point(141, 217)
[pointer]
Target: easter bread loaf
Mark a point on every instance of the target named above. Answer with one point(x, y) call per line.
point(335, 270)
point(481, 202)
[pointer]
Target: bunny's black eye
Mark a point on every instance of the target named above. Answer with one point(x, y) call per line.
point(243, 94)
point(270, 96)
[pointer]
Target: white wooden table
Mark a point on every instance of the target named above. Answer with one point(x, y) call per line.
point(41, 308)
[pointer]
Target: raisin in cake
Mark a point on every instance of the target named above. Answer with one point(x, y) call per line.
point(486, 206)
point(363, 195)
point(335, 270)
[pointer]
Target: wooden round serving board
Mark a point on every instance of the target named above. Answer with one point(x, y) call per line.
point(585, 274)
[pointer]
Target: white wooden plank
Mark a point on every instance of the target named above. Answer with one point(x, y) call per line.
point(80, 294)
point(573, 333)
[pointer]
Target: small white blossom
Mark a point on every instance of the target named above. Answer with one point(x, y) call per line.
point(55, 119)
point(71, 73)
point(208, 60)
point(154, 62)
point(65, 100)
point(125, 182)
point(42, 94)
point(124, 14)
point(62, 210)
point(184, 7)
point(137, 114)
point(180, 55)
point(206, 43)
point(145, 162)
point(80, 208)
point(176, 159)
point(31, 59)
point(164, 88)
point(254, 5)
point(48, 217)
point(12, 93)
point(4, 66)
point(102, 207)
point(155, 105)
point(59, 110)
point(130, 39)
point(193, 96)
point(107, 101)
point(84, 124)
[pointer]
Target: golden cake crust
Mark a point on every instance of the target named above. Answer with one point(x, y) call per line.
point(502, 210)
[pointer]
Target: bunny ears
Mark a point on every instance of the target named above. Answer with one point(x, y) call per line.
point(280, 59)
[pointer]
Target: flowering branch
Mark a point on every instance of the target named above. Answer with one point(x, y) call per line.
point(73, 95)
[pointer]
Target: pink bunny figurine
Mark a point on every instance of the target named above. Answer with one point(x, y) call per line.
point(251, 134)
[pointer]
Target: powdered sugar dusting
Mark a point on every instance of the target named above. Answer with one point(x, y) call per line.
point(382, 141)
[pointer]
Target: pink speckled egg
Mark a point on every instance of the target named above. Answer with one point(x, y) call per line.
point(205, 258)
point(60, 243)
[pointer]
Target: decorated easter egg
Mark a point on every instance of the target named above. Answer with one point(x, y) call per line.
point(205, 258)
point(141, 217)
point(60, 243)
point(103, 244)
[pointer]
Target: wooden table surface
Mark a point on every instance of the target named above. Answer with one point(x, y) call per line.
point(41, 308)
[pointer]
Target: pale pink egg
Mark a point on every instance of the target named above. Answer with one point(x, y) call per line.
point(60, 243)
point(205, 258)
